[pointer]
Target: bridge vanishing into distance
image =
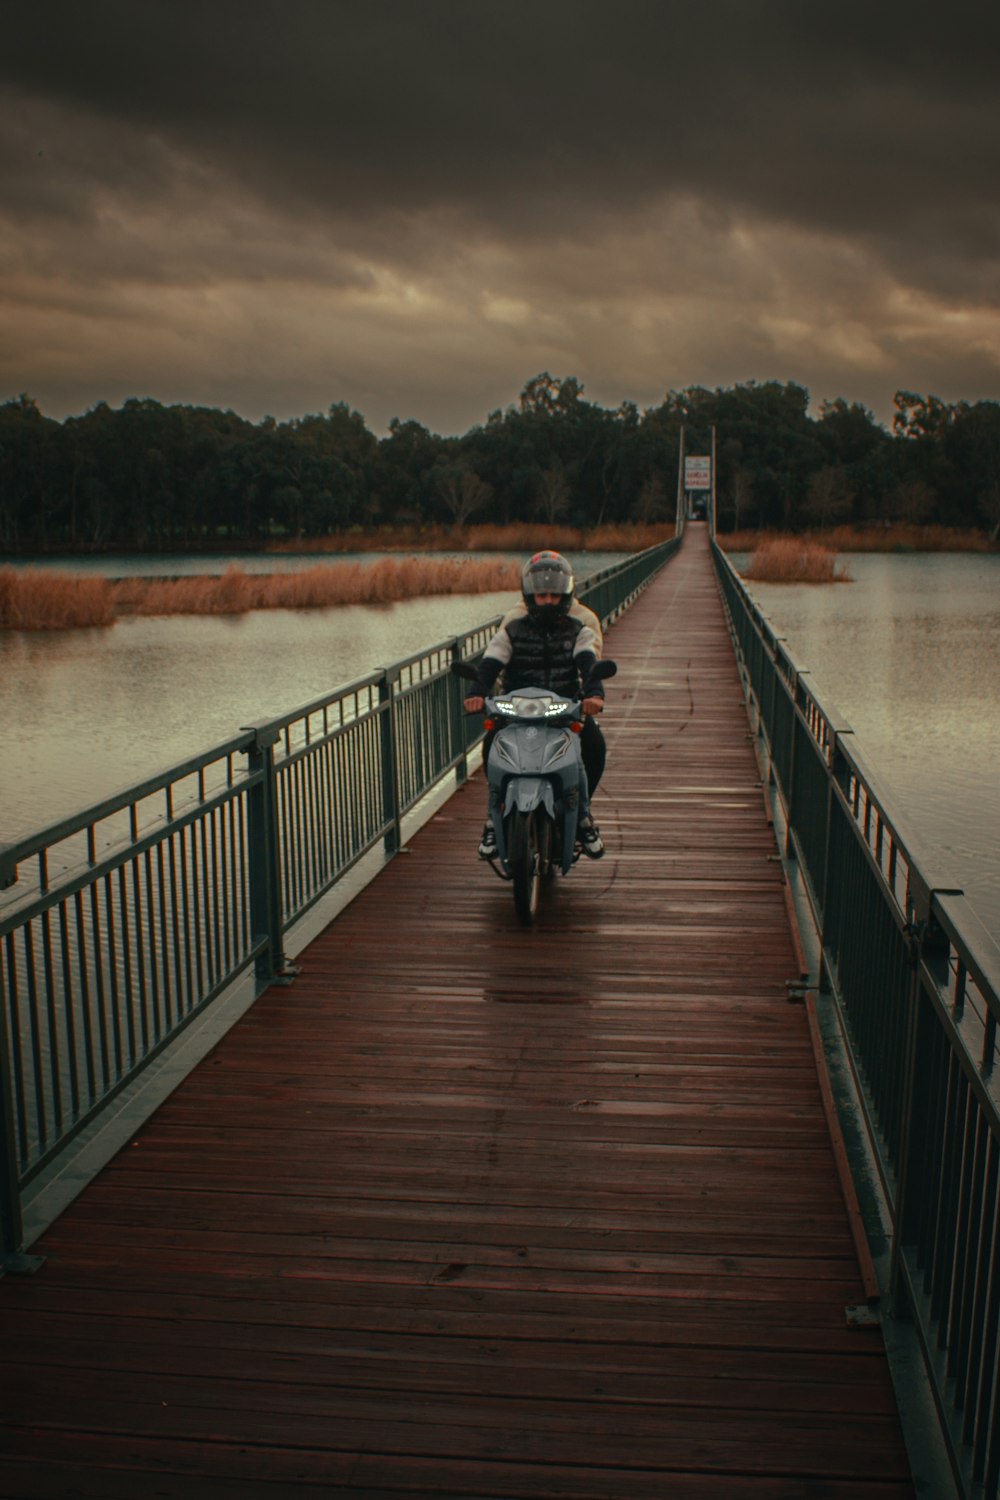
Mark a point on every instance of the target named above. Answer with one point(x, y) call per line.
point(688, 1191)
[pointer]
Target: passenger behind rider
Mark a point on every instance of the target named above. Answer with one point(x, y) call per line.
point(549, 640)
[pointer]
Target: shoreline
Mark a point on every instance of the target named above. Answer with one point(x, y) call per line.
point(875, 538)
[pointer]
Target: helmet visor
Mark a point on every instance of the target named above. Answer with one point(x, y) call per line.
point(547, 577)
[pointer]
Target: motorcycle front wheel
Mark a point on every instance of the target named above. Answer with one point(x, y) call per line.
point(524, 861)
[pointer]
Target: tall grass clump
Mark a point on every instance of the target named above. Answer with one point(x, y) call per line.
point(37, 599)
point(233, 593)
point(384, 582)
point(789, 560)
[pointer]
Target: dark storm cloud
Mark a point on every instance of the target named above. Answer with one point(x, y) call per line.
point(854, 118)
point(589, 184)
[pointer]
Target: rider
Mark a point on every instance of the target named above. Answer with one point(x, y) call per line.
point(549, 640)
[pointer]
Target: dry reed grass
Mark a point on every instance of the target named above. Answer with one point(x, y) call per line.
point(790, 560)
point(889, 538)
point(384, 582)
point(37, 599)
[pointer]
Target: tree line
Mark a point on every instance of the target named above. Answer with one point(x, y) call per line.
point(152, 477)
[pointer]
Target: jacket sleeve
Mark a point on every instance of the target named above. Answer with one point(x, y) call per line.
point(492, 662)
point(587, 651)
point(586, 661)
point(488, 669)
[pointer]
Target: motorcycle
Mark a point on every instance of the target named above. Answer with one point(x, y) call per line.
point(537, 784)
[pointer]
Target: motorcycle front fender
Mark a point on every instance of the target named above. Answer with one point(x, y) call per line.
point(528, 792)
point(522, 794)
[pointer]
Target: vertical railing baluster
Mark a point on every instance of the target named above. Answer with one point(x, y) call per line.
point(110, 950)
point(129, 990)
point(164, 928)
point(52, 1023)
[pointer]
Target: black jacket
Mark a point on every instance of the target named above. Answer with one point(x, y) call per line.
point(528, 654)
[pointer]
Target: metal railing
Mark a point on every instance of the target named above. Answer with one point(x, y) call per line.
point(913, 980)
point(120, 926)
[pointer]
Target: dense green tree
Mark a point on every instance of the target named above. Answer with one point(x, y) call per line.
point(402, 488)
point(461, 491)
point(972, 445)
point(33, 478)
point(154, 477)
point(829, 498)
point(862, 451)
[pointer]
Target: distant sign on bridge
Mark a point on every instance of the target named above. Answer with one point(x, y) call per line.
point(698, 473)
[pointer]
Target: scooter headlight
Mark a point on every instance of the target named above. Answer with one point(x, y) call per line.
point(517, 706)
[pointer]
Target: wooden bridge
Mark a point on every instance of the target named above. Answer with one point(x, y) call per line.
point(470, 1210)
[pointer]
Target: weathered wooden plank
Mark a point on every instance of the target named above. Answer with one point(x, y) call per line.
point(549, 1369)
point(92, 1466)
point(611, 1433)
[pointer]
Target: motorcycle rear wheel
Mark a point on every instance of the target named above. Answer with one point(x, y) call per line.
point(524, 862)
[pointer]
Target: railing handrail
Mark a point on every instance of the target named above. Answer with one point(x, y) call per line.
point(983, 953)
point(911, 978)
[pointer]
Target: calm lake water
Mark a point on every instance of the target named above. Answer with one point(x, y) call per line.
point(85, 713)
point(186, 565)
point(909, 654)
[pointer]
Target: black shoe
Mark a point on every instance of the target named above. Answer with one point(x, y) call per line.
point(488, 843)
point(589, 836)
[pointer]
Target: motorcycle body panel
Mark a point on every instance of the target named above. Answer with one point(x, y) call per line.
point(535, 765)
point(537, 784)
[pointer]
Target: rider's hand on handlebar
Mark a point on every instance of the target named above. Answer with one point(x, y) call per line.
point(474, 705)
point(593, 705)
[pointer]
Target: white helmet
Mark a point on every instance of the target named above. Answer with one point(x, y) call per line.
point(547, 573)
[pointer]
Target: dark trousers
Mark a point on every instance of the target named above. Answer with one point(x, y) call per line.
point(592, 748)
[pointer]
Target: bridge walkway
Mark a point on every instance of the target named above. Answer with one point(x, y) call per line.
point(470, 1210)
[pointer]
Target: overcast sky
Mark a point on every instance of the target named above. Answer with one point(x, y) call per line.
point(414, 206)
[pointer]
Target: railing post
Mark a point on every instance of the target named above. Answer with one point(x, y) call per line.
point(457, 692)
point(11, 1230)
point(829, 916)
point(393, 840)
point(12, 1254)
point(264, 864)
point(928, 947)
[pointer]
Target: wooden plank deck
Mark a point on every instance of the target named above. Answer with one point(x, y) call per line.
point(475, 1211)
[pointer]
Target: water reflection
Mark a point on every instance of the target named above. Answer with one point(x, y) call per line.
point(84, 713)
point(187, 564)
point(88, 712)
point(909, 654)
